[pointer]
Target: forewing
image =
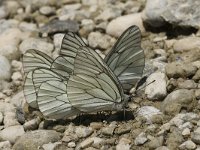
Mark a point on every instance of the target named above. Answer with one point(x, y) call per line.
point(52, 97)
point(126, 58)
point(92, 87)
point(32, 60)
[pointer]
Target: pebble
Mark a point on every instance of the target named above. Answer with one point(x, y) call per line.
point(71, 144)
point(187, 84)
point(28, 27)
point(123, 146)
point(16, 65)
point(18, 99)
point(12, 133)
point(87, 26)
point(57, 41)
point(99, 40)
point(156, 142)
point(141, 139)
point(156, 90)
point(117, 26)
point(162, 148)
point(83, 132)
point(196, 77)
point(96, 125)
point(32, 124)
point(16, 78)
point(3, 12)
point(108, 130)
point(86, 143)
point(5, 68)
point(10, 119)
point(47, 10)
point(187, 145)
point(35, 139)
point(182, 44)
point(37, 44)
point(173, 103)
point(186, 132)
point(197, 94)
point(122, 130)
point(148, 112)
point(176, 70)
point(5, 145)
point(59, 26)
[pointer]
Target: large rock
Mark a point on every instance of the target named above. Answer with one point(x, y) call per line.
point(34, 139)
point(156, 90)
point(12, 133)
point(179, 12)
point(117, 26)
point(178, 99)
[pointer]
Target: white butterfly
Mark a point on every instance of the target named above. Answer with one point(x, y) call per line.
point(79, 80)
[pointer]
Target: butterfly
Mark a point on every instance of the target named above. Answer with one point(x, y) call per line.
point(79, 80)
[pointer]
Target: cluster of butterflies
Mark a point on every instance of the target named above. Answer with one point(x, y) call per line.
point(79, 80)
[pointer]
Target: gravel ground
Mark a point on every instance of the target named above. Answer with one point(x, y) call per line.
point(163, 116)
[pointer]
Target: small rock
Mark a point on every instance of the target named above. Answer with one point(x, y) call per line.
point(156, 142)
point(5, 68)
point(71, 144)
point(16, 65)
point(122, 130)
point(162, 148)
point(3, 12)
point(1, 118)
point(117, 26)
point(6, 145)
point(51, 146)
point(57, 26)
point(57, 41)
point(186, 132)
point(83, 132)
point(187, 145)
point(123, 146)
point(176, 70)
point(32, 124)
point(87, 26)
point(186, 125)
point(98, 40)
point(37, 44)
point(12, 133)
point(10, 119)
point(17, 78)
point(89, 2)
point(187, 84)
point(196, 77)
point(28, 27)
point(173, 103)
point(108, 130)
point(182, 44)
point(140, 139)
point(47, 10)
point(148, 112)
point(35, 139)
point(156, 90)
point(86, 143)
point(174, 139)
point(18, 99)
point(98, 142)
point(197, 94)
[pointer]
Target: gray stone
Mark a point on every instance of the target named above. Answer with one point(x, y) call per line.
point(123, 146)
point(37, 44)
point(140, 139)
point(12, 133)
point(83, 131)
point(108, 130)
point(34, 139)
point(28, 27)
point(176, 100)
point(152, 11)
point(187, 84)
point(56, 26)
point(182, 44)
point(196, 77)
point(16, 65)
point(148, 112)
point(117, 26)
point(7, 24)
point(18, 100)
point(99, 40)
point(47, 10)
point(3, 12)
point(197, 94)
point(5, 68)
point(162, 148)
point(174, 12)
point(156, 142)
point(156, 90)
point(87, 26)
point(32, 124)
point(6, 145)
point(176, 70)
point(189, 145)
point(186, 132)
point(14, 37)
point(57, 41)
point(86, 143)
point(71, 144)
point(51, 146)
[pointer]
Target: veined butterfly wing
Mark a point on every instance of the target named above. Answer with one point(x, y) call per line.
point(126, 58)
point(32, 60)
point(92, 87)
point(52, 96)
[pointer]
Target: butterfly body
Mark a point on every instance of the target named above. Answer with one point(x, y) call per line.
point(79, 80)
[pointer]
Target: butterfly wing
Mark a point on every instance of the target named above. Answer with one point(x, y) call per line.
point(32, 60)
point(52, 97)
point(92, 87)
point(126, 58)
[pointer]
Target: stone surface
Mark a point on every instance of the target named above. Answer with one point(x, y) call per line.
point(56, 26)
point(140, 139)
point(174, 12)
point(12, 133)
point(37, 44)
point(5, 145)
point(189, 145)
point(5, 68)
point(156, 90)
point(173, 103)
point(117, 26)
point(32, 140)
point(187, 84)
point(1, 118)
point(83, 132)
point(18, 100)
